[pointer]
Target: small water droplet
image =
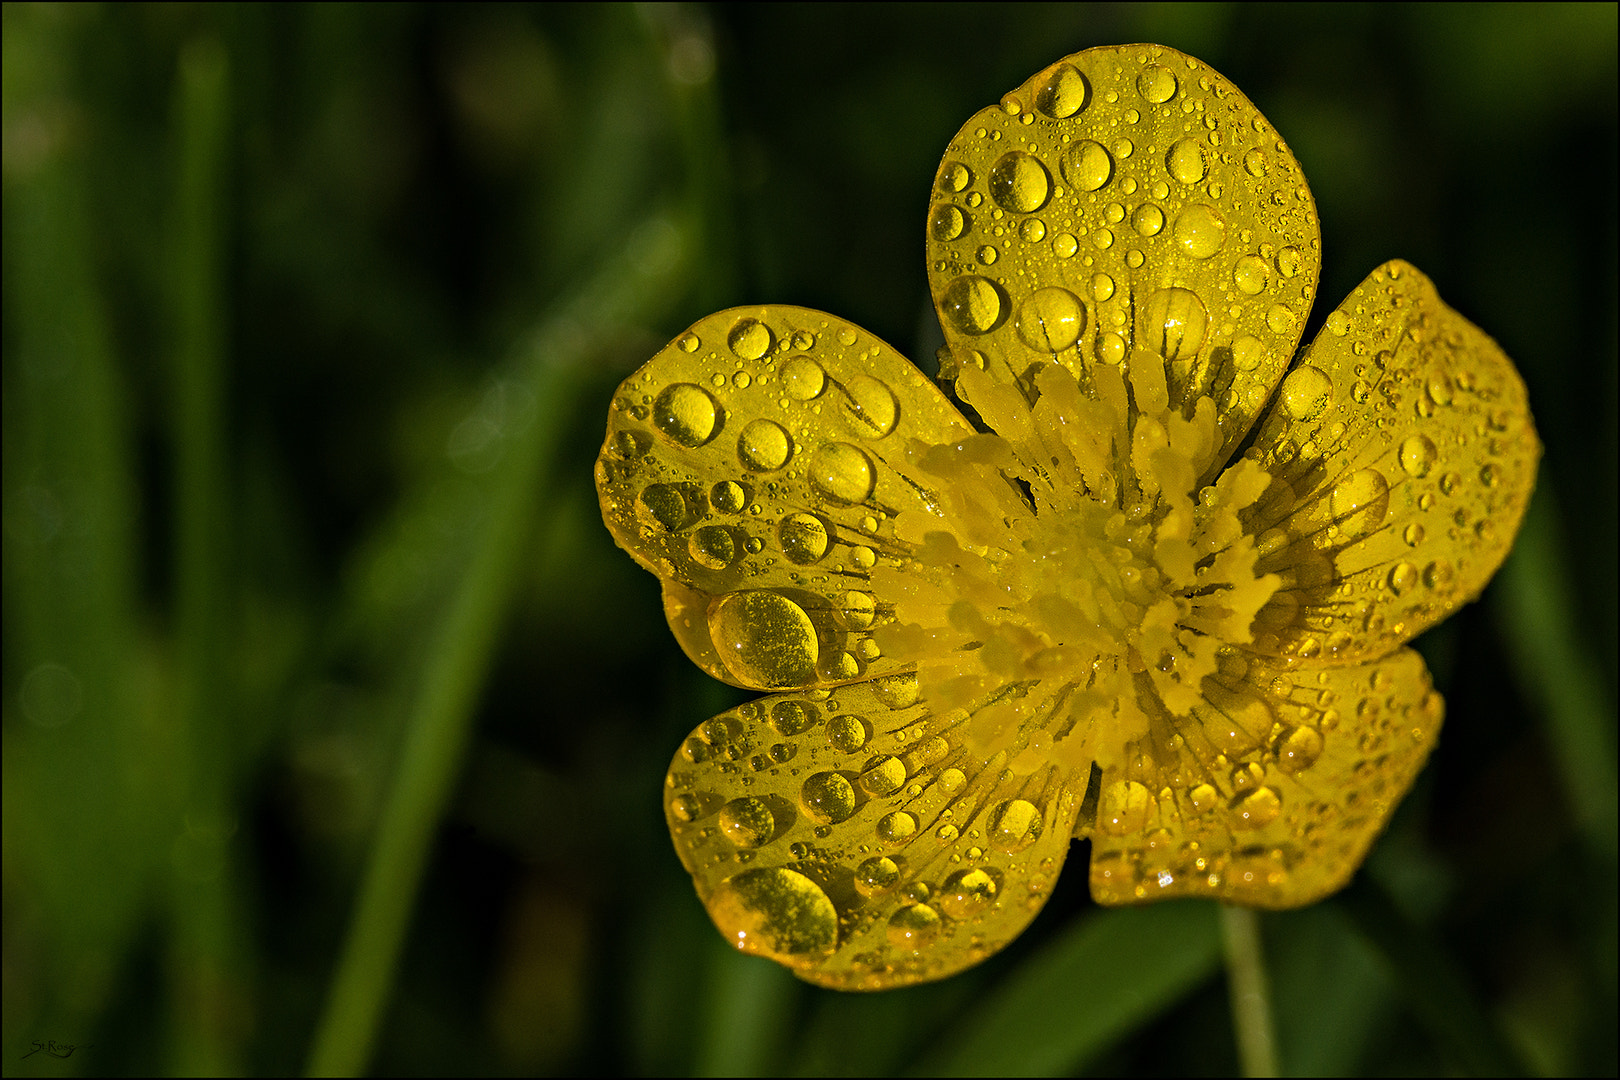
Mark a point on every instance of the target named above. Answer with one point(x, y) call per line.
point(1032, 231)
point(689, 342)
point(896, 828)
point(1251, 275)
point(1438, 574)
point(883, 776)
point(1064, 245)
point(1288, 262)
point(764, 639)
point(1020, 183)
point(876, 876)
point(987, 255)
point(686, 415)
point(1124, 808)
point(792, 717)
point(846, 733)
point(1338, 324)
point(828, 797)
point(713, 547)
point(913, 927)
point(686, 806)
point(897, 691)
point(857, 611)
point(1148, 219)
point(1111, 348)
point(1014, 825)
point(954, 176)
point(946, 222)
point(728, 497)
point(1247, 352)
point(1403, 578)
point(1418, 455)
point(1360, 501)
point(1255, 163)
point(1102, 287)
point(804, 538)
point(1299, 749)
point(1413, 535)
point(1257, 809)
point(665, 506)
point(1280, 319)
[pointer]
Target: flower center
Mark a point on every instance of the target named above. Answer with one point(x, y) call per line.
point(1085, 586)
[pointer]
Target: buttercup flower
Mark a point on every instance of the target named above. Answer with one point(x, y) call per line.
point(1146, 580)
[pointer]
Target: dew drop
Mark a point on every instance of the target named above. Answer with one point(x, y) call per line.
point(876, 876)
point(764, 639)
point(793, 717)
point(713, 547)
point(870, 407)
point(1156, 84)
point(1050, 320)
point(1418, 455)
point(1020, 183)
point(1438, 574)
point(1064, 245)
point(1247, 352)
point(1200, 231)
point(1014, 825)
point(689, 342)
point(897, 691)
point(803, 378)
point(686, 806)
point(846, 733)
point(896, 828)
point(972, 304)
point(1299, 749)
point(1124, 808)
point(842, 473)
point(1111, 348)
point(1338, 324)
point(1306, 392)
point(1404, 578)
point(884, 776)
point(1360, 501)
point(1062, 93)
point(1257, 809)
point(777, 913)
point(1087, 165)
point(1185, 161)
point(663, 505)
point(946, 222)
point(1174, 321)
point(857, 611)
point(1102, 287)
point(747, 822)
point(1148, 220)
point(803, 537)
point(686, 415)
point(1032, 231)
point(750, 339)
point(954, 176)
point(967, 894)
point(1288, 262)
point(1280, 319)
point(728, 497)
point(1251, 275)
point(913, 927)
point(1413, 535)
point(764, 446)
point(1255, 163)
point(827, 797)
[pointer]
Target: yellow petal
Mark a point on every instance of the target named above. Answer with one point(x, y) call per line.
point(854, 837)
point(1405, 442)
point(1273, 799)
point(1126, 205)
point(749, 466)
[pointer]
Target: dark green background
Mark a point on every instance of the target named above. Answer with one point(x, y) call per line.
point(275, 345)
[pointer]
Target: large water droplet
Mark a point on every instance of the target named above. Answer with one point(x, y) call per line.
point(686, 415)
point(1251, 274)
point(1124, 808)
point(1306, 392)
point(896, 828)
point(803, 378)
point(665, 506)
point(764, 639)
point(954, 176)
point(946, 222)
point(1174, 321)
point(1418, 455)
point(1257, 809)
point(1185, 161)
point(876, 876)
point(1014, 825)
point(897, 691)
point(842, 472)
point(764, 446)
point(846, 733)
point(750, 339)
point(883, 776)
point(870, 407)
point(804, 538)
point(747, 822)
point(1404, 578)
point(857, 610)
point(1200, 231)
point(778, 913)
point(1050, 320)
point(913, 927)
point(1299, 749)
point(828, 797)
point(1020, 183)
point(1087, 165)
point(1062, 93)
point(728, 497)
point(972, 304)
point(966, 894)
point(1360, 501)
point(1247, 352)
point(713, 547)
point(793, 717)
point(1147, 220)
point(1156, 84)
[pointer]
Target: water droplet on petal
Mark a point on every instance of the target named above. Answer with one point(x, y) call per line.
point(1200, 231)
point(1050, 320)
point(1418, 455)
point(846, 733)
point(1404, 578)
point(1087, 165)
point(689, 342)
point(842, 473)
point(1247, 352)
point(967, 894)
point(954, 176)
point(1255, 163)
point(1032, 231)
point(750, 339)
point(1174, 321)
point(972, 304)
point(747, 822)
point(1062, 93)
point(1156, 84)
point(885, 776)
point(896, 828)
point(1360, 501)
point(1124, 808)
point(1251, 274)
point(728, 497)
point(1306, 392)
point(897, 691)
point(828, 797)
point(764, 446)
point(665, 506)
point(913, 927)
point(1102, 287)
point(1148, 220)
point(1185, 161)
point(792, 717)
point(686, 415)
point(870, 406)
point(713, 547)
point(803, 537)
point(1299, 749)
point(1014, 825)
point(1257, 809)
point(946, 222)
point(1288, 262)
point(803, 378)
point(764, 639)
point(876, 876)
point(1020, 183)
point(777, 913)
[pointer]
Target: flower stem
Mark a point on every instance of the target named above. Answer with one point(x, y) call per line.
point(1251, 995)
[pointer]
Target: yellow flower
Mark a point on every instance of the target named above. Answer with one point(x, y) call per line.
point(1162, 606)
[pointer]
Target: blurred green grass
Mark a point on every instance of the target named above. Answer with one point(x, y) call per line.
point(334, 723)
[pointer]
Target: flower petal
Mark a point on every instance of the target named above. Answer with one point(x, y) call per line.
point(748, 465)
point(1403, 456)
point(853, 837)
point(1325, 756)
point(1126, 205)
